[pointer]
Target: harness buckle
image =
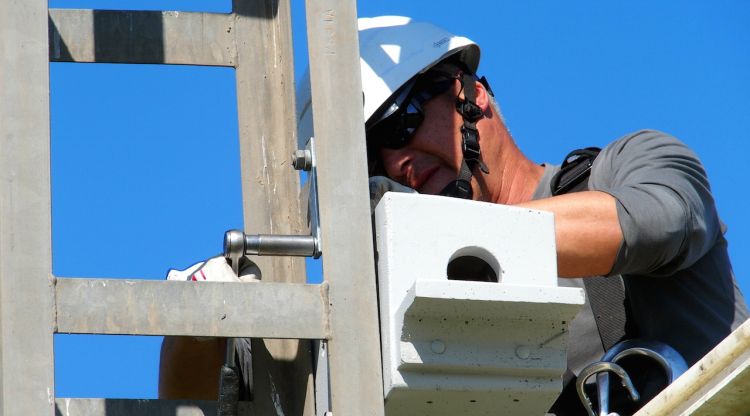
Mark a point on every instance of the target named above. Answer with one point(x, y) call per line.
point(469, 110)
point(470, 142)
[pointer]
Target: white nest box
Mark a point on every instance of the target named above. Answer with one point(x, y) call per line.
point(457, 347)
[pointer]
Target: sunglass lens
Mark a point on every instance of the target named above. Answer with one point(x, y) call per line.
point(401, 130)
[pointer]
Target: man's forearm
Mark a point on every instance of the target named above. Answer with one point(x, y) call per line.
point(587, 232)
point(189, 368)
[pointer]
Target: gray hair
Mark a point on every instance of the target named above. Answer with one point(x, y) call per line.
point(496, 108)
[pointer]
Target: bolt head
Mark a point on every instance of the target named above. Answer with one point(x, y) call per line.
point(437, 346)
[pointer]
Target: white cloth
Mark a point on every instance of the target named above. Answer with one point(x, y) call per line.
point(215, 269)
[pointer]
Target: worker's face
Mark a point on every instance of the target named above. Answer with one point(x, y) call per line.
point(432, 158)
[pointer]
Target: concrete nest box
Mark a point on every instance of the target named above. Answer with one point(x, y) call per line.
point(472, 319)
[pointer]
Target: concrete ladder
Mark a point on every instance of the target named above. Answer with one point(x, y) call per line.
point(255, 39)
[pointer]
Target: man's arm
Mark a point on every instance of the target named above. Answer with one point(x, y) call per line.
point(189, 368)
point(587, 232)
point(650, 211)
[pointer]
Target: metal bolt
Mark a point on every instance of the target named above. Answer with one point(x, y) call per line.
point(523, 352)
point(302, 160)
point(437, 346)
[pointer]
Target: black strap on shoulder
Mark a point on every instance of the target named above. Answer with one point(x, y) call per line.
point(574, 172)
point(606, 295)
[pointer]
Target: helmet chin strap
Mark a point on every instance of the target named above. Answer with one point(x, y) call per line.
point(471, 113)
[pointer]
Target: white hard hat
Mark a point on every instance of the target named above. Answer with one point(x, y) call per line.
point(393, 49)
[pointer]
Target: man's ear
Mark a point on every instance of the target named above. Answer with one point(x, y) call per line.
point(483, 99)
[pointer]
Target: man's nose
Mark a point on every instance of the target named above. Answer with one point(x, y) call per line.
point(397, 162)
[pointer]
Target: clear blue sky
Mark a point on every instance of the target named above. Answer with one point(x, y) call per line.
point(145, 158)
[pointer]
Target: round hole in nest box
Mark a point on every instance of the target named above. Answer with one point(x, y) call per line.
point(474, 264)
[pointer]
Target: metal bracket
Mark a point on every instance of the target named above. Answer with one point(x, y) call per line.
point(322, 383)
point(238, 244)
point(312, 209)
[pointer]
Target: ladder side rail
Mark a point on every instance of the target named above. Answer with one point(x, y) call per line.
point(282, 369)
point(348, 264)
point(26, 296)
point(144, 37)
point(258, 44)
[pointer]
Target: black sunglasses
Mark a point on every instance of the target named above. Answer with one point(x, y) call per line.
point(395, 124)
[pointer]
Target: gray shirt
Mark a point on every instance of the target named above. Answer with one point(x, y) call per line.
point(678, 278)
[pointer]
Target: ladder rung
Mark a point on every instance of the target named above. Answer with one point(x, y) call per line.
point(129, 407)
point(146, 37)
point(150, 307)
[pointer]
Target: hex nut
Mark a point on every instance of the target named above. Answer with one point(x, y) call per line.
point(302, 160)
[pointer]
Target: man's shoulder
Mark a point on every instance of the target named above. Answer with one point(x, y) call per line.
point(646, 139)
point(642, 145)
point(642, 157)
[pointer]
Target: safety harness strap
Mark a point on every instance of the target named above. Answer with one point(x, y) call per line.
point(468, 107)
point(461, 187)
point(471, 113)
point(606, 295)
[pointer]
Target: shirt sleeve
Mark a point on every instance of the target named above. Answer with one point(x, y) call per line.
point(664, 202)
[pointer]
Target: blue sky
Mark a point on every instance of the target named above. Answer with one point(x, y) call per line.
point(145, 158)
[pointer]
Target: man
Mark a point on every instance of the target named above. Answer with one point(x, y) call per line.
point(646, 213)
